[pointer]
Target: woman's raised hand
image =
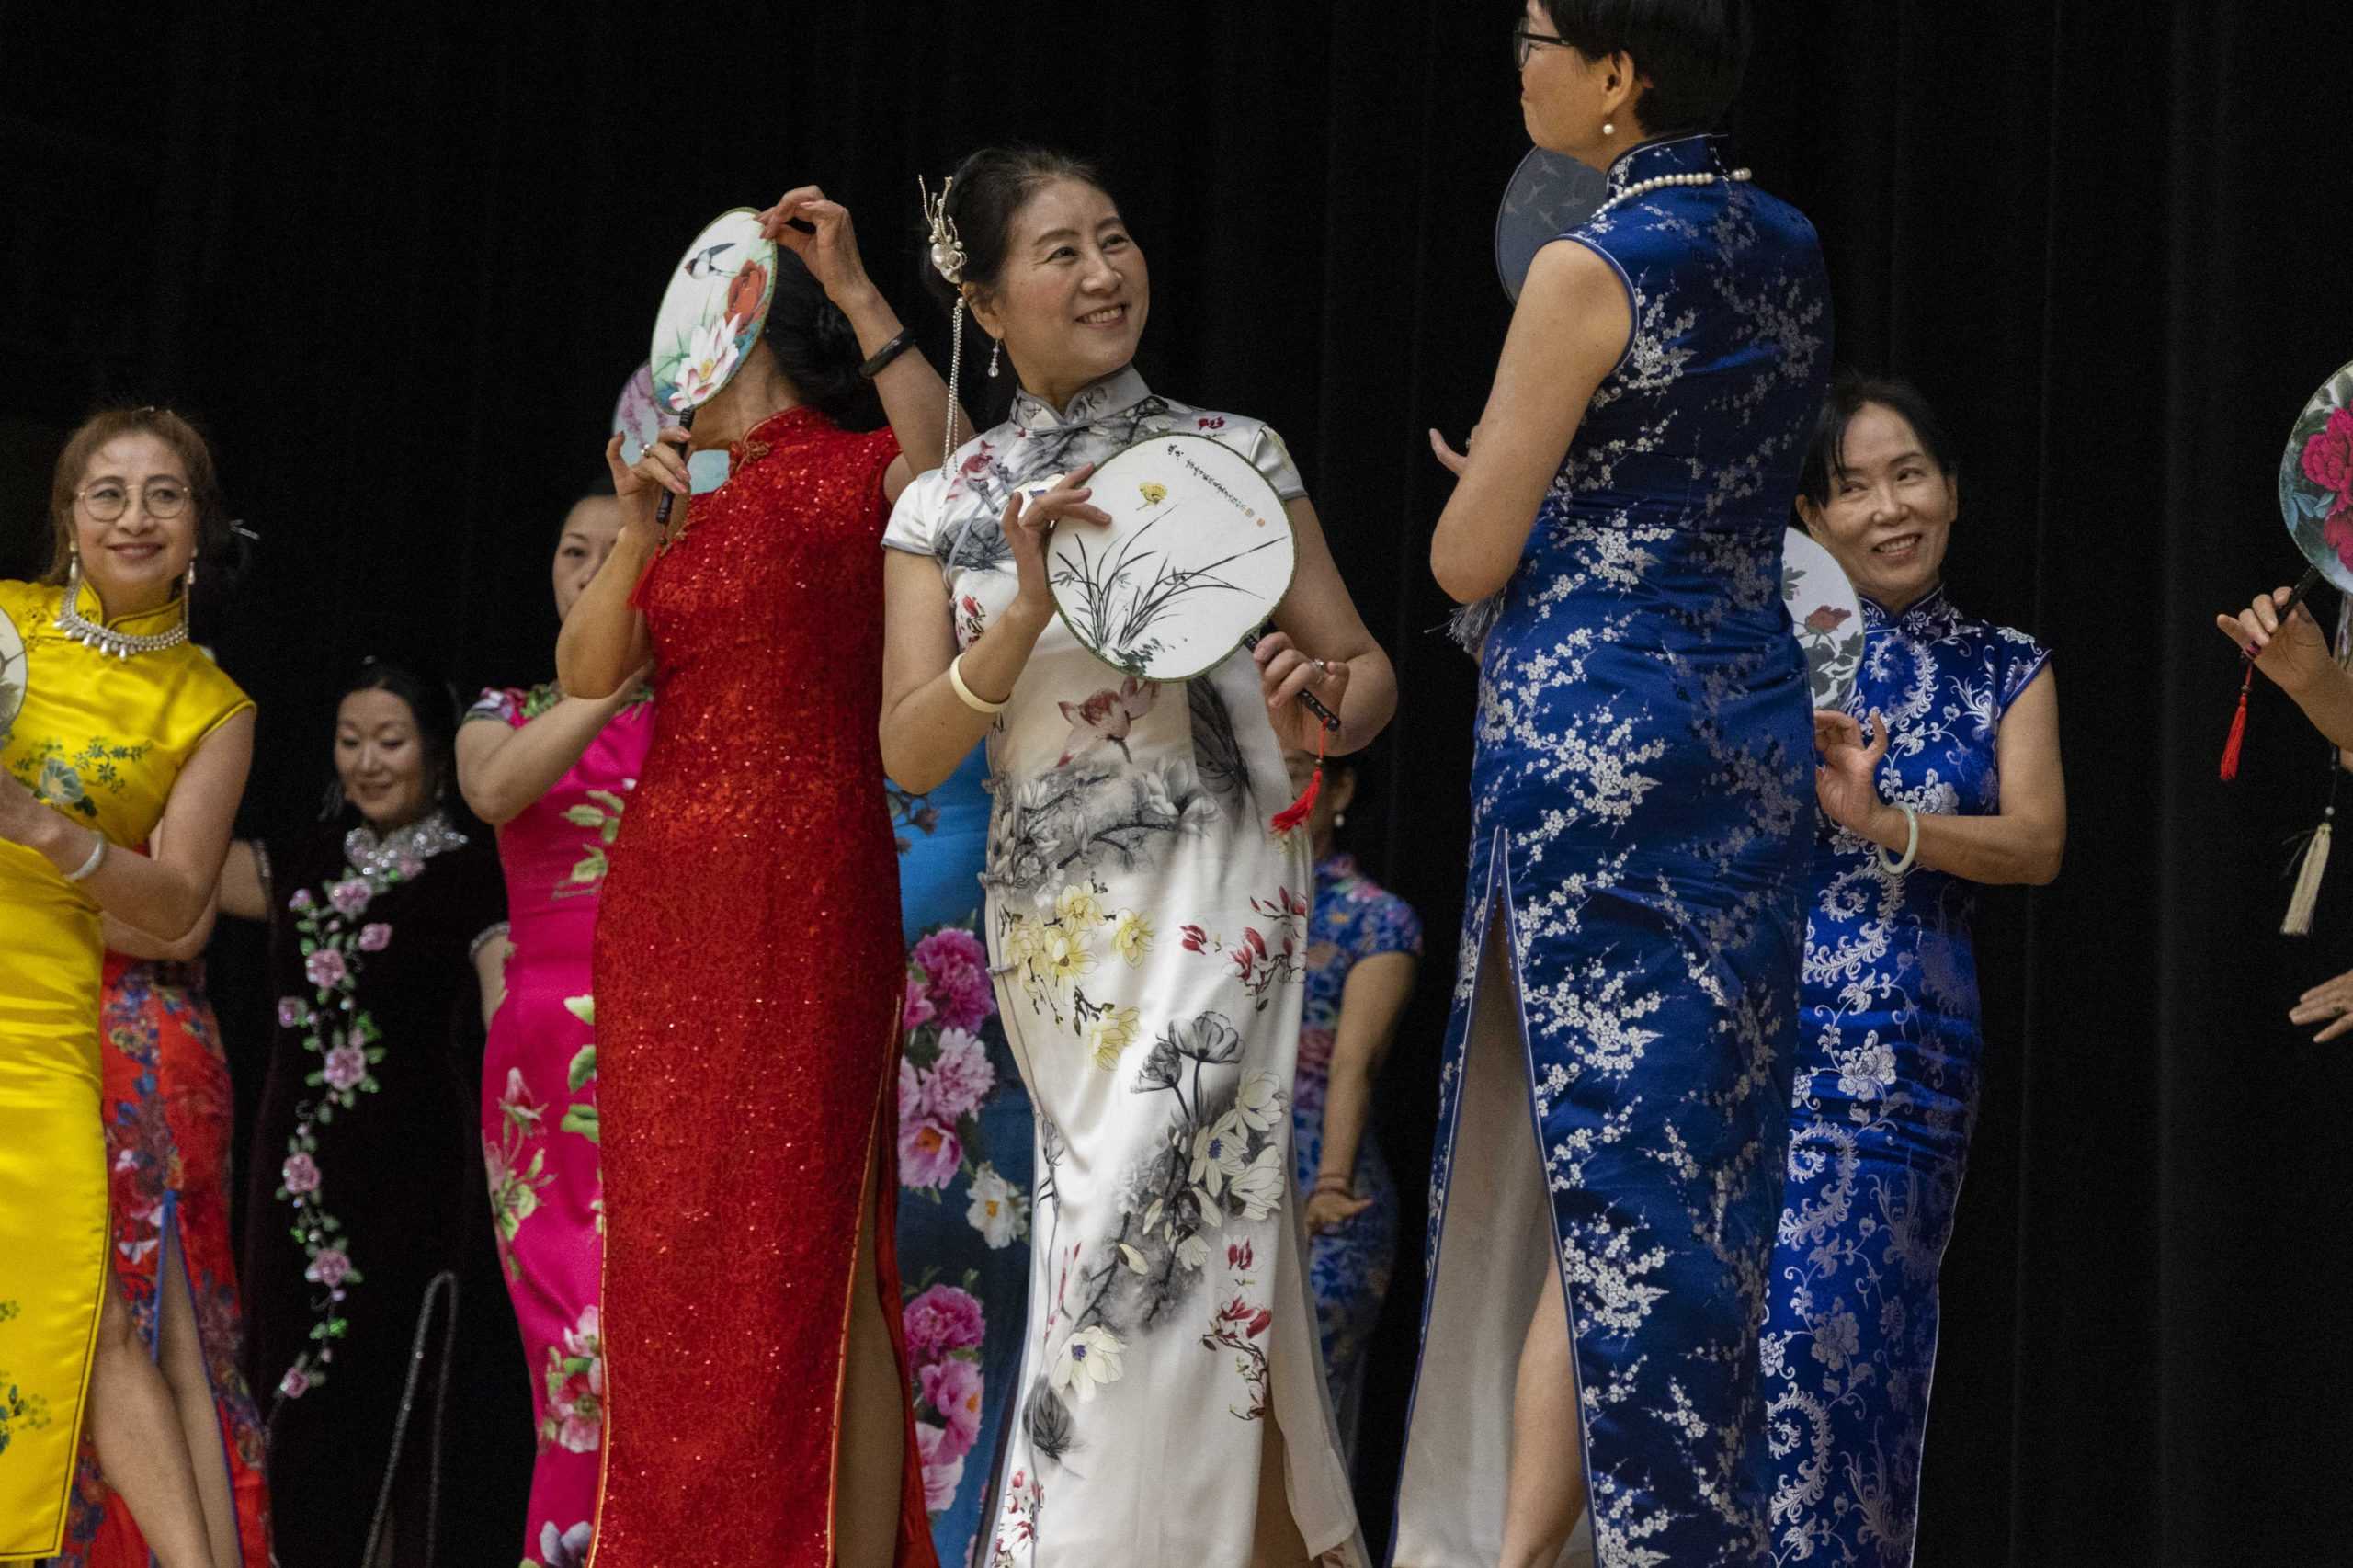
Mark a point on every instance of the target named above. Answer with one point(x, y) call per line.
point(1027, 523)
point(1846, 779)
point(2291, 650)
point(662, 466)
point(820, 232)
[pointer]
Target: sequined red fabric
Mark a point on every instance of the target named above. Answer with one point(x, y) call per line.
point(747, 973)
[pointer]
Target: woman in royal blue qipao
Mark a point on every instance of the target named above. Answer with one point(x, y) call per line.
point(1618, 1061)
point(1956, 784)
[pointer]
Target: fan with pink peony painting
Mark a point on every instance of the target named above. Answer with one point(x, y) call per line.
point(2316, 479)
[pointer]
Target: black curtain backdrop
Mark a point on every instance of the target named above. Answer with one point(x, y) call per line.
point(400, 265)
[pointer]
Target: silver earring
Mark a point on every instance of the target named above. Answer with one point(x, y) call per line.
point(994, 350)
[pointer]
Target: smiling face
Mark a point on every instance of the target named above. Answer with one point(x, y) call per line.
point(136, 559)
point(1891, 510)
point(1071, 302)
point(587, 538)
point(382, 759)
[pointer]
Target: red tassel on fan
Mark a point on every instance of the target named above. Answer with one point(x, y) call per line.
point(2238, 731)
point(1299, 810)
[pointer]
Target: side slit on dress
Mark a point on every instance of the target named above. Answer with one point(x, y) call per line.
point(1474, 1324)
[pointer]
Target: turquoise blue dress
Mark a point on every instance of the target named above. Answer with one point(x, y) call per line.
point(964, 1161)
point(1348, 1266)
point(1616, 1067)
point(1885, 1099)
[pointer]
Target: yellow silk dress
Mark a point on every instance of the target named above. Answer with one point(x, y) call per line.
point(102, 740)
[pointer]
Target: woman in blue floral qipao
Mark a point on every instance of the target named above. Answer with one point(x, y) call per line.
point(1956, 784)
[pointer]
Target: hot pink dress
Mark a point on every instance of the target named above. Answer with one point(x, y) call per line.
point(539, 1110)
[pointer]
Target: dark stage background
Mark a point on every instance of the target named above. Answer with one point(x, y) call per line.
point(401, 264)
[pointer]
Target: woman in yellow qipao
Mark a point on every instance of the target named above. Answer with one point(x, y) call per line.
point(123, 734)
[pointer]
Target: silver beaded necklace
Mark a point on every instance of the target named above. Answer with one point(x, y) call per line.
point(1661, 182)
point(104, 639)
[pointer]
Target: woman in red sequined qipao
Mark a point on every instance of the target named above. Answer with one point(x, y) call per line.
point(747, 961)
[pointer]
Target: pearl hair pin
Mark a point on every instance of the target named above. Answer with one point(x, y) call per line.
point(1736, 178)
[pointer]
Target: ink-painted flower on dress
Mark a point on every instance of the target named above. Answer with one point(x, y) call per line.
point(1114, 1029)
point(1078, 905)
point(300, 1173)
point(1088, 1360)
point(325, 968)
point(1131, 938)
point(1259, 1185)
point(1220, 1154)
point(929, 1154)
point(1105, 719)
point(998, 1212)
point(941, 1320)
point(1258, 1103)
point(345, 1066)
point(1064, 959)
point(375, 937)
point(963, 1077)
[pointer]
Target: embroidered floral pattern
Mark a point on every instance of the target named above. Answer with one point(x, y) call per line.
point(331, 929)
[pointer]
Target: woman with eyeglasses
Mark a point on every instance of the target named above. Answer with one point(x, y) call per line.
point(115, 733)
point(1612, 1116)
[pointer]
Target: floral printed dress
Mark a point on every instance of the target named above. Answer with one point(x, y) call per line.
point(538, 1108)
point(1147, 933)
point(1625, 1006)
point(1885, 1100)
point(381, 1339)
point(167, 1114)
point(964, 1139)
point(1348, 1266)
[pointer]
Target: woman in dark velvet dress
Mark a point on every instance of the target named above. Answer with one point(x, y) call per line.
point(380, 1341)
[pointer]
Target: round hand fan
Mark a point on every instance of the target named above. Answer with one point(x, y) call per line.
point(637, 419)
point(12, 672)
point(1550, 194)
point(713, 312)
point(2316, 479)
point(1826, 617)
point(1197, 553)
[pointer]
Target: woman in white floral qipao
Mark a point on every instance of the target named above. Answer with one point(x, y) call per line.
point(1146, 929)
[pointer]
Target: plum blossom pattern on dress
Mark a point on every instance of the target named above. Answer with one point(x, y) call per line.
point(1885, 1102)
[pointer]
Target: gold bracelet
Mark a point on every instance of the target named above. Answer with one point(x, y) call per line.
point(965, 694)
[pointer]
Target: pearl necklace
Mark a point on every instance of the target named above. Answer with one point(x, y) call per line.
point(104, 639)
point(1663, 181)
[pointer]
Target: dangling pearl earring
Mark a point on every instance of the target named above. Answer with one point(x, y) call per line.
point(1339, 819)
point(187, 598)
point(997, 349)
point(1610, 128)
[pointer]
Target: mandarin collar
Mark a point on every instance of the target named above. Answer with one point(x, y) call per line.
point(1698, 152)
point(1335, 866)
point(1115, 394)
point(761, 439)
point(88, 605)
point(1927, 608)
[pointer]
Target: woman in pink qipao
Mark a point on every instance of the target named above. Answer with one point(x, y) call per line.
point(551, 773)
